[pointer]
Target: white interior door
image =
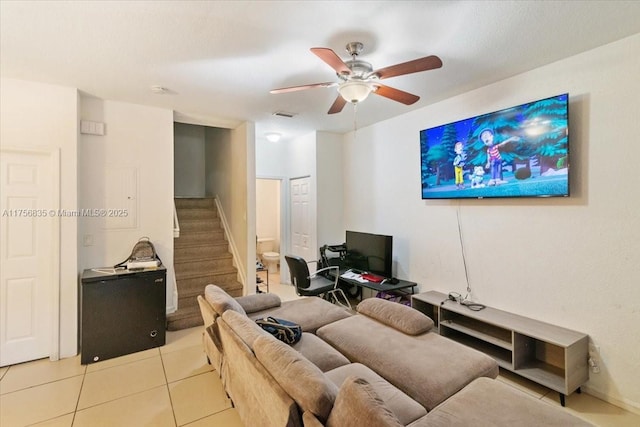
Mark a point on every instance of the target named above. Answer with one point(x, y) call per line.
point(301, 226)
point(29, 255)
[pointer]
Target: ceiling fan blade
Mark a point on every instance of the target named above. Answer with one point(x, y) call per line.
point(332, 59)
point(303, 87)
point(338, 105)
point(415, 66)
point(396, 94)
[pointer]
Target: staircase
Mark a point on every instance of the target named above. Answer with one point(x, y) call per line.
point(201, 256)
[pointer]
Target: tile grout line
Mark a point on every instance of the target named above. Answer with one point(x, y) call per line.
point(166, 382)
point(75, 410)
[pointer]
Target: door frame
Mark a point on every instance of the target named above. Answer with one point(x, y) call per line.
point(54, 159)
point(285, 222)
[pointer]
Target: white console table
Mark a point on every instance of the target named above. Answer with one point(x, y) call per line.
point(550, 355)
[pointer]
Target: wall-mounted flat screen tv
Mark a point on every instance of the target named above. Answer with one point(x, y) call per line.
point(521, 151)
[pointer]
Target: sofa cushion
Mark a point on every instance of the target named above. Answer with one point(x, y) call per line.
point(358, 405)
point(245, 328)
point(300, 378)
point(487, 402)
point(404, 408)
point(221, 301)
point(258, 302)
point(427, 367)
point(311, 313)
point(398, 316)
point(320, 353)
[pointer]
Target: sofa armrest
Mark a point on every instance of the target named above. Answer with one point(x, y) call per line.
point(208, 313)
point(258, 302)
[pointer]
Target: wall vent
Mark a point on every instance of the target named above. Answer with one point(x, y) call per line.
point(284, 114)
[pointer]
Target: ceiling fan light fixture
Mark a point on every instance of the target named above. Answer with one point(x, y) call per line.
point(355, 91)
point(272, 136)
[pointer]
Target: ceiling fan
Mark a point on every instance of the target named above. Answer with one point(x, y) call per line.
point(357, 79)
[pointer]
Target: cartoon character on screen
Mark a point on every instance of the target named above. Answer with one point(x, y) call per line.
point(477, 177)
point(494, 159)
point(459, 161)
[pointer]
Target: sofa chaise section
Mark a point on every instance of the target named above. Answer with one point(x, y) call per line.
point(426, 366)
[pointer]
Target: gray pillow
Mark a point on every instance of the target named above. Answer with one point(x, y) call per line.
point(398, 316)
point(298, 377)
point(221, 301)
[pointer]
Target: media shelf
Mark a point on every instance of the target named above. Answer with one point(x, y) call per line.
point(550, 355)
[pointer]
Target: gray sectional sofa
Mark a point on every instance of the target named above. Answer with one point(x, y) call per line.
point(381, 366)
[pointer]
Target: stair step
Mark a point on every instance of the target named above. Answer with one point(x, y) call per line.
point(199, 272)
point(197, 238)
point(233, 288)
point(184, 318)
point(186, 269)
point(193, 214)
point(199, 224)
point(203, 258)
point(193, 202)
point(196, 285)
point(199, 252)
point(218, 278)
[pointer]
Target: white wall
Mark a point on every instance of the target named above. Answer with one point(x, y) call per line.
point(572, 262)
point(189, 160)
point(272, 158)
point(137, 138)
point(230, 175)
point(330, 188)
point(36, 115)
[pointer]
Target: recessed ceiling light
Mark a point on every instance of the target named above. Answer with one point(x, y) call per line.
point(159, 90)
point(272, 136)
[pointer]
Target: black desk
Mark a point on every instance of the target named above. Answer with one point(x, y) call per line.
point(399, 287)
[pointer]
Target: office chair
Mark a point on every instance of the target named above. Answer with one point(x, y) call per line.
point(313, 285)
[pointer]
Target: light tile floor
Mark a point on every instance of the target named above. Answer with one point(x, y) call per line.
point(168, 386)
point(174, 386)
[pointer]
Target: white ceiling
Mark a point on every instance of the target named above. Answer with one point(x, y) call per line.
point(219, 59)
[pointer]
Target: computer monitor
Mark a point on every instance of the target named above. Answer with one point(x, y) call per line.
point(370, 252)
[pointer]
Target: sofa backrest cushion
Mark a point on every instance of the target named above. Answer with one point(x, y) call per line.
point(245, 328)
point(300, 378)
point(398, 316)
point(221, 301)
point(258, 302)
point(358, 405)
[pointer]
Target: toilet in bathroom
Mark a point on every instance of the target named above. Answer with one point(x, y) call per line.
point(269, 258)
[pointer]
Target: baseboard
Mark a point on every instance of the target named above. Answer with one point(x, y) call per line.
point(625, 404)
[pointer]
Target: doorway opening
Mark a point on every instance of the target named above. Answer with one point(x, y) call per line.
point(270, 230)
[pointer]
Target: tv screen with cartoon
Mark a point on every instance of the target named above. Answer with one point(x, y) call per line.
point(521, 151)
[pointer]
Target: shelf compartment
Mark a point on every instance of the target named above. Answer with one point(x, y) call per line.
point(429, 309)
point(502, 355)
point(492, 334)
point(543, 373)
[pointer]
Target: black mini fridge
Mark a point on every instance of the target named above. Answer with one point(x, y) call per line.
point(121, 312)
